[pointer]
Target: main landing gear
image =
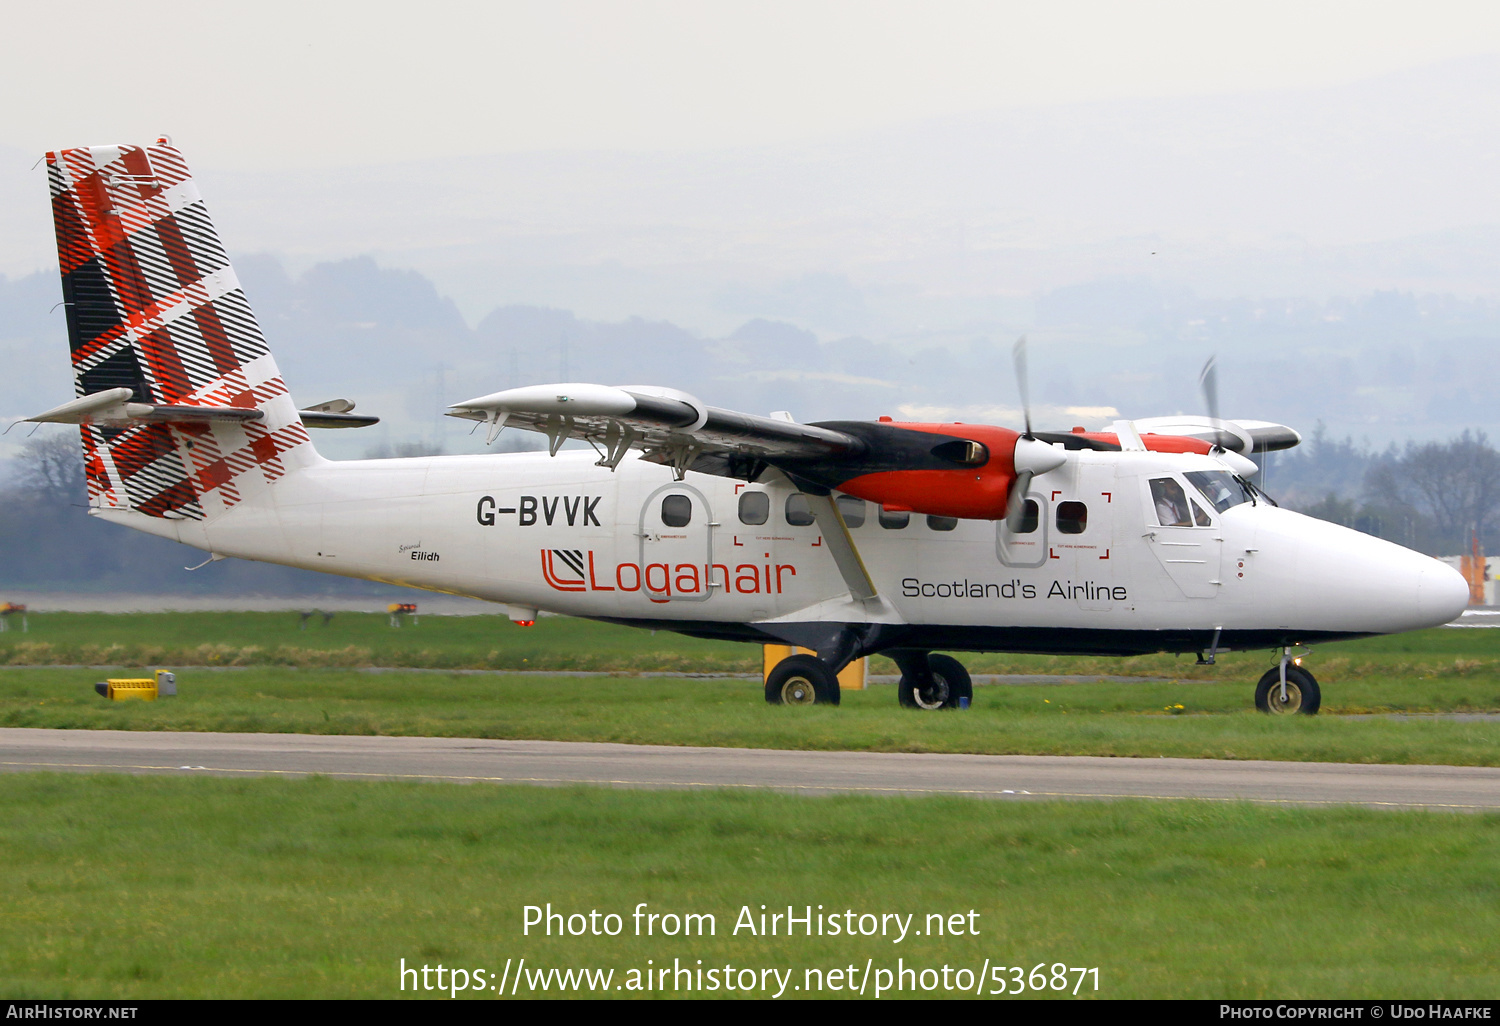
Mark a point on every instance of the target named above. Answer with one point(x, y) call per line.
point(932, 681)
point(1288, 689)
point(802, 680)
point(927, 681)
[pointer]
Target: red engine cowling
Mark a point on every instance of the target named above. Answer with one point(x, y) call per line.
point(973, 467)
point(977, 487)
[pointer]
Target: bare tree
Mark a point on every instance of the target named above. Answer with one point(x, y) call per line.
point(1455, 483)
point(49, 470)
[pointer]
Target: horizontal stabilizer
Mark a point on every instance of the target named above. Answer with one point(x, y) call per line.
point(114, 406)
point(335, 413)
point(337, 420)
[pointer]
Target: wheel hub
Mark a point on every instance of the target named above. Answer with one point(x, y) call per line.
point(1292, 703)
point(934, 695)
point(798, 691)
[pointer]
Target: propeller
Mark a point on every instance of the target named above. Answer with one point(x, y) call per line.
point(1228, 445)
point(1208, 382)
point(1018, 357)
point(1032, 456)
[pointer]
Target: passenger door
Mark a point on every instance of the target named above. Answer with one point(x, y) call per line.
point(676, 551)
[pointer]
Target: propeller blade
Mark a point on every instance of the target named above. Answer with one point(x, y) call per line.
point(1018, 356)
point(1208, 381)
point(1015, 505)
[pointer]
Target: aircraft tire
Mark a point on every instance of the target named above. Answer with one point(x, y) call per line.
point(960, 684)
point(802, 680)
point(1302, 692)
point(950, 682)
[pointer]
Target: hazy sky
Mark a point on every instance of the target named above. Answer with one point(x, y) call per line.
point(275, 84)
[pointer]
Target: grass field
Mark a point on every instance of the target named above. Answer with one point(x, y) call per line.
point(564, 643)
point(120, 886)
point(1066, 719)
point(361, 639)
point(167, 887)
point(284, 683)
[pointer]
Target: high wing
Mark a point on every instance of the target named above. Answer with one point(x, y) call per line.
point(673, 428)
point(945, 470)
point(1242, 436)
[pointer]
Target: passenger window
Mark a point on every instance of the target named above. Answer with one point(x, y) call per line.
point(1072, 517)
point(1171, 502)
point(755, 508)
point(1200, 517)
point(894, 519)
point(676, 510)
point(942, 523)
point(798, 512)
point(1030, 518)
point(852, 510)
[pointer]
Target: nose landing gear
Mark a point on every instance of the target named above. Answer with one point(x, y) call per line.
point(1288, 689)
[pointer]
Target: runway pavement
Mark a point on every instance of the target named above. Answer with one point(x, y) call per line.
point(1009, 777)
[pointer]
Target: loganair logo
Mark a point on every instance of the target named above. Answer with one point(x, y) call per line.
point(576, 570)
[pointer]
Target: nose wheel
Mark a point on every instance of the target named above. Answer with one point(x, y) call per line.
point(1301, 696)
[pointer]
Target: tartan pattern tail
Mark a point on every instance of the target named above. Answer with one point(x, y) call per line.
point(153, 305)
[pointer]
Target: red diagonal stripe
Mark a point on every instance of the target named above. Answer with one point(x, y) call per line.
point(166, 366)
point(142, 447)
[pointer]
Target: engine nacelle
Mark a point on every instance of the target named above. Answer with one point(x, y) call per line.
point(968, 475)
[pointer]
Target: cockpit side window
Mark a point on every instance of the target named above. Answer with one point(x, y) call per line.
point(1221, 488)
point(1199, 517)
point(1171, 502)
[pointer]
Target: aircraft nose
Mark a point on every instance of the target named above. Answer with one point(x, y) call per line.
point(1442, 593)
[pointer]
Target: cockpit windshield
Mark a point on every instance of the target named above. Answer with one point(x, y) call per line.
point(1221, 488)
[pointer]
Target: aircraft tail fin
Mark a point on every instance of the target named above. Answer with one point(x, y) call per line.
point(154, 306)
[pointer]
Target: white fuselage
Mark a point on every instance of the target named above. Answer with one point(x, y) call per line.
point(564, 535)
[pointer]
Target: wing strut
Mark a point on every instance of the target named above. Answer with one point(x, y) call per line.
point(841, 546)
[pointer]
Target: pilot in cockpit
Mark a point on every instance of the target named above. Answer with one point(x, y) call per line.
point(1171, 503)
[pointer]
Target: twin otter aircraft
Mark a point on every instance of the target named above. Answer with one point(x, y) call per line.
point(845, 538)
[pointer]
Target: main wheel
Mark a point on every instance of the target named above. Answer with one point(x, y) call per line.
point(802, 680)
point(949, 682)
point(960, 684)
point(1302, 693)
